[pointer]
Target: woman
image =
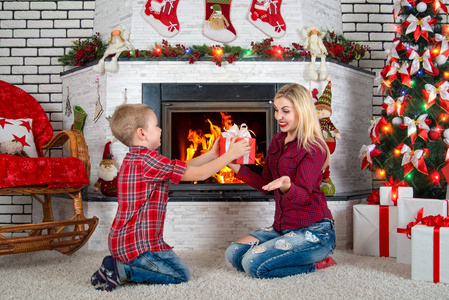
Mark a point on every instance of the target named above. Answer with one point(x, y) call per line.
point(302, 237)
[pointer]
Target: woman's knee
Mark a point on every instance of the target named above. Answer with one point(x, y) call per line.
point(234, 255)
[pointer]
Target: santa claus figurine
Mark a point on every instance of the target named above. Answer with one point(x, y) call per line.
point(330, 133)
point(107, 174)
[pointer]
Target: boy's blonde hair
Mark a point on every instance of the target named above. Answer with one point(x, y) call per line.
point(127, 118)
point(308, 131)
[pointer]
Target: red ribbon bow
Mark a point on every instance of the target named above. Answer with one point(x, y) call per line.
point(437, 220)
point(373, 198)
point(394, 187)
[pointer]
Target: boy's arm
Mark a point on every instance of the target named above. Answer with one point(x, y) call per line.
point(206, 157)
point(204, 171)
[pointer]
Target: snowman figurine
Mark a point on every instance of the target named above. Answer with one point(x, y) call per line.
point(330, 134)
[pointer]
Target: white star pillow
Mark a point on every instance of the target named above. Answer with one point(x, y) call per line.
point(19, 130)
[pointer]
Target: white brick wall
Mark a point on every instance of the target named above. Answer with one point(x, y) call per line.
point(32, 24)
point(204, 225)
point(33, 34)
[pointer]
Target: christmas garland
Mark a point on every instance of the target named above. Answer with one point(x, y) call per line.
point(92, 49)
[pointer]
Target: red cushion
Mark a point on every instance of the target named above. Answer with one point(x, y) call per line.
point(53, 172)
point(15, 103)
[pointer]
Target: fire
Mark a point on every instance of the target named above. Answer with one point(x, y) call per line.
point(206, 140)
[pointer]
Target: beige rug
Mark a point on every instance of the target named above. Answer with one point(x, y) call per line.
point(51, 275)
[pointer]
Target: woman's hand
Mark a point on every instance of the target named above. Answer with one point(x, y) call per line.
point(283, 183)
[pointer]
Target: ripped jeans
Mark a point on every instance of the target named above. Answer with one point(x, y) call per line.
point(284, 253)
point(162, 267)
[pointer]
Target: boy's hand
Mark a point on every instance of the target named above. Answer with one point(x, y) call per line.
point(283, 183)
point(238, 149)
point(215, 149)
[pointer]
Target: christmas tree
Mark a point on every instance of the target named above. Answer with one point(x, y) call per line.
point(411, 137)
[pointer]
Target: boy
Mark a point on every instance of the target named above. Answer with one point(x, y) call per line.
point(138, 250)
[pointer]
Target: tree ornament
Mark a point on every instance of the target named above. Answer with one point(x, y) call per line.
point(397, 121)
point(421, 7)
point(266, 15)
point(434, 134)
point(217, 25)
point(446, 134)
point(441, 59)
point(161, 14)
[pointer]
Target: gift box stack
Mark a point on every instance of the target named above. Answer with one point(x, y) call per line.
point(240, 133)
point(375, 223)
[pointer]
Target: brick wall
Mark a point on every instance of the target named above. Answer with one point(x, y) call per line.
point(33, 34)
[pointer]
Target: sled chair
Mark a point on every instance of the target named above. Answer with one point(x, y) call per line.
point(41, 176)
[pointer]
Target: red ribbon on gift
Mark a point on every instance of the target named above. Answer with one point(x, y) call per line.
point(395, 184)
point(384, 230)
point(408, 230)
point(437, 222)
point(373, 198)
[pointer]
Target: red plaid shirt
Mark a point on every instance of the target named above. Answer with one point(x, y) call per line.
point(142, 200)
point(304, 204)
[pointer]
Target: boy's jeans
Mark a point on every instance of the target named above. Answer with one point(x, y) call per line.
point(285, 253)
point(161, 267)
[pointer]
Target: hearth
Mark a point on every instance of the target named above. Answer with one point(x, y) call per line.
point(192, 116)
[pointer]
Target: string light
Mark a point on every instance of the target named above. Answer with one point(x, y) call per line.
point(435, 176)
point(443, 118)
point(381, 172)
point(157, 50)
point(409, 176)
point(248, 52)
point(446, 74)
point(397, 152)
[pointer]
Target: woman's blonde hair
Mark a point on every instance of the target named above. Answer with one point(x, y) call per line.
point(127, 118)
point(308, 131)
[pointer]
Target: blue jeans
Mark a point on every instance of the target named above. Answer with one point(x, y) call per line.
point(161, 267)
point(283, 253)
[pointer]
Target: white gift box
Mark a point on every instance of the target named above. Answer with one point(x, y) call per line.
point(425, 265)
point(408, 209)
point(375, 230)
point(385, 194)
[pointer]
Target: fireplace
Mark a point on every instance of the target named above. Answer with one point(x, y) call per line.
point(193, 115)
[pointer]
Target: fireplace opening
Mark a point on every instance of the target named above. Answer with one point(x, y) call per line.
point(192, 116)
point(195, 127)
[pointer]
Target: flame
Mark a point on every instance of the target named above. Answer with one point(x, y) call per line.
point(207, 140)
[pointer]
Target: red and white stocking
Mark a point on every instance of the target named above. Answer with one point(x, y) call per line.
point(161, 14)
point(266, 15)
point(217, 25)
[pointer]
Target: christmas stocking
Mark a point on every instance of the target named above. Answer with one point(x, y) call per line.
point(161, 14)
point(266, 15)
point(217, 26)
point(79, 118)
